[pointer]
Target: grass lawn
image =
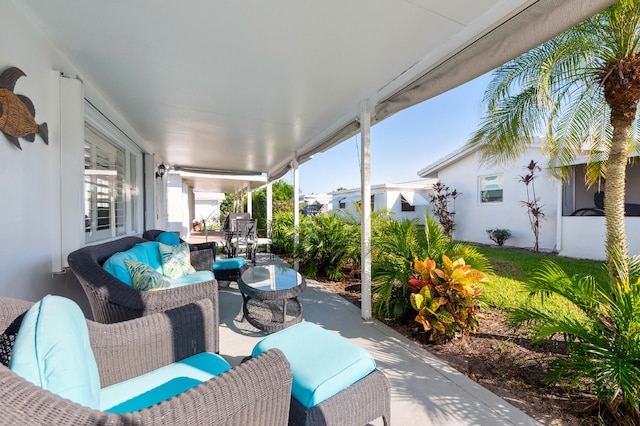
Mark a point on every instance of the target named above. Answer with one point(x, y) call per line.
point(512, 268)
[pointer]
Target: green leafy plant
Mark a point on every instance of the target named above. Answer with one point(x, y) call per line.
point(499, 236)
point(395, 245)
point(602, 331)
point(281, 233)
point(445, 298)
point(328, 243)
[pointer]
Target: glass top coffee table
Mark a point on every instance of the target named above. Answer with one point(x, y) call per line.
point(270, 297)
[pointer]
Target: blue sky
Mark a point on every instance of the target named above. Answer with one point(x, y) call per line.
point(402, 144)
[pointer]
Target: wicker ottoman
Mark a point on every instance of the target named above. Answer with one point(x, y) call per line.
point(334, 381)
point(229, 269)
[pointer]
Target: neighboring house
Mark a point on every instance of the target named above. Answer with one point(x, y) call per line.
point(492, 197)
point(207, 207)
point(406, 200)
point(315, 203)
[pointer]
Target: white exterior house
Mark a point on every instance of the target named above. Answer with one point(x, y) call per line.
point(493, 197)
point(405, 200)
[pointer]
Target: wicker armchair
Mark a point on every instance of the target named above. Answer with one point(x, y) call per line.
point(112, 301)
point(257, 392)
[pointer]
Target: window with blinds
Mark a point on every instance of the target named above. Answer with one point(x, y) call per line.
point(491, 188)
point(109, 171)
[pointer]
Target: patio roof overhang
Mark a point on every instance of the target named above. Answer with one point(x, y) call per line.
point(244, 87)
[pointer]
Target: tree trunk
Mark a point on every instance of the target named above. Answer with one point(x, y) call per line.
point(616, 241)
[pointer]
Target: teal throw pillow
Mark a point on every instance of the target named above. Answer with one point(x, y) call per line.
point(52, 350)
point(176, 260)
point(144, 277)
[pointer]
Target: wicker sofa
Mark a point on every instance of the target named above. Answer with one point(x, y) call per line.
point(256, 392)
point(112, 301)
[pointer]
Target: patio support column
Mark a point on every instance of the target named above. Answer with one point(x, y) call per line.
point(269, 207)
point(296, 208)
point(365, 196)
point(249, 200)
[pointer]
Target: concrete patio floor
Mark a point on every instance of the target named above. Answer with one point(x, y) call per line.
point(424, 389)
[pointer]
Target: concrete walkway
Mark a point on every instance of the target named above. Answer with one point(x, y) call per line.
point(424, 390)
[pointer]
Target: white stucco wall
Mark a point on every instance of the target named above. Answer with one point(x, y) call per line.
point(394, 203)
point(584, 237)
point(473, 218)
point(31, 191)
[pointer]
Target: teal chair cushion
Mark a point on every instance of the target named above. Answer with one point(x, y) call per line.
point(52, 350)
point(149, 253)
point(196, 277)
point(322, 363)
point(233, 263)
point(161, 384)
point(168, 238)
point(116, 267)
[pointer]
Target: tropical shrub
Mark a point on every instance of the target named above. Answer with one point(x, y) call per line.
point(446, 298)
point(395, 245)
point(499, 236)
point(282, 233)
point(328, 243)
point(603, 340)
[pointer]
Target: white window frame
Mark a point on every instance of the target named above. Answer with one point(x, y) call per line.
point(100, 130)
point(492, 182)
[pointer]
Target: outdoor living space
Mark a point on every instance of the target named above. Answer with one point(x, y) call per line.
point(424, 389)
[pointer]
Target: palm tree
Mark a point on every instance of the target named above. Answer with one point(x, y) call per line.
point(581, 90)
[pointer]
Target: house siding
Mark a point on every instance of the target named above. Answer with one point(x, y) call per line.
point(32, 197)
point(474, 218)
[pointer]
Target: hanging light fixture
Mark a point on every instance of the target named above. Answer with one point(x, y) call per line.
point(161, 170)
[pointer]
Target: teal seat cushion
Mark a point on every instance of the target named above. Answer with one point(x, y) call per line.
point(196, 277)
point(52, 350)
point(161, 384)
point(149, 253)
point(233, 263)
point(322, 363)
point(168, 238)
point(116, 267)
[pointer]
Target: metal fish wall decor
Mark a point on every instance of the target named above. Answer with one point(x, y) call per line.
point(17, 113)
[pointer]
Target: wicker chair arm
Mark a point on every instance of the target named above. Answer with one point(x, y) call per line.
point(131, 348)
point(11, 310)
point(257, 392)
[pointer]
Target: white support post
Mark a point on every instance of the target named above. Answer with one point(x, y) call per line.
point(365, 188)
point(296, 209)
point(249, 200)
point(269, 207)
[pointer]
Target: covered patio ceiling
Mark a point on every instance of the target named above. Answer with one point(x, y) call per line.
point(246, 86)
